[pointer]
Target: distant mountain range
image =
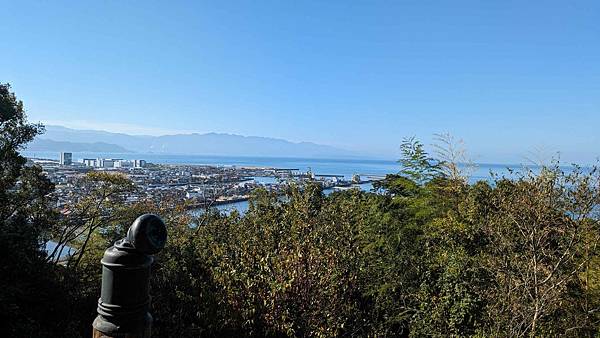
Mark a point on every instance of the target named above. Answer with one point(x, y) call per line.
point(42, 144)
point(58, 138)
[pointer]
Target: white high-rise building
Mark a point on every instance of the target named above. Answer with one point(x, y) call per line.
point(89, 162)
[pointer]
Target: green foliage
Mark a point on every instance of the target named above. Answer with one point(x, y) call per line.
point(433, 257)
point(416, 163)
point(100, 209)
point(30, 289)
point(271, 265)
point(543, 233)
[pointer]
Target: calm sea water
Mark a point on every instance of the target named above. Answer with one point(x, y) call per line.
point(346, 167)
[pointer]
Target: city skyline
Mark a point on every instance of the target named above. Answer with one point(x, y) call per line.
point(508, 78)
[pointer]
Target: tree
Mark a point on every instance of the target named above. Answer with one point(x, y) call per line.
point(30, 292)
point(452, 157)
point(416, 163)
point(543, 231)
point(100, 205)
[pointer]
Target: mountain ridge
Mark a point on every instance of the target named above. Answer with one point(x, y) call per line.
point(211, 143)
point(43, 144)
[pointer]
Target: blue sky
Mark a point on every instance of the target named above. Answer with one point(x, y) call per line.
point(508, 77)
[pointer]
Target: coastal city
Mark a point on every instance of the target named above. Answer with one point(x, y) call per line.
point(199, 185)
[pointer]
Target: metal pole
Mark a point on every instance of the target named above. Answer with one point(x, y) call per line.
point(123, 307)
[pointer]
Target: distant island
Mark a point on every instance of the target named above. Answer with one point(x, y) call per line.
point(58, 138)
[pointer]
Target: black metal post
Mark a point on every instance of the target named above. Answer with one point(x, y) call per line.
point(124, 299)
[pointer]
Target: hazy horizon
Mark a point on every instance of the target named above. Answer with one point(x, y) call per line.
point(534, 156)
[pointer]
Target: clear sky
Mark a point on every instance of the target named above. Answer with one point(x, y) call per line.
point(509, 77)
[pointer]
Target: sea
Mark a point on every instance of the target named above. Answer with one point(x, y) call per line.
point(320, 166)
point(347, 167)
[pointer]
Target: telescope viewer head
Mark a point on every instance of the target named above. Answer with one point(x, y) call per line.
point(148, 234)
